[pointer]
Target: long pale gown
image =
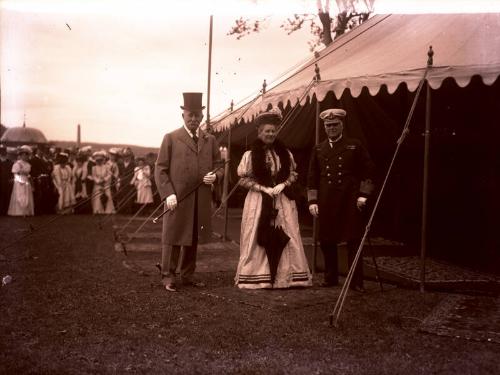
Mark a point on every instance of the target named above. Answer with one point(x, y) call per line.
point(253, 268)
point(62, 175)
point(102, 178)
point(142, 182)
point(21, 198)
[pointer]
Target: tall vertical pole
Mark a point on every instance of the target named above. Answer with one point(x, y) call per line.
point(209, 71)
point(1, 101)
point(316, 142)
point(78, 136)
point(226, 180)
point(315, 220)
point(427, 136)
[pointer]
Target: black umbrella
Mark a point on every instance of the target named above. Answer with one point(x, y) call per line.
point(272, 238)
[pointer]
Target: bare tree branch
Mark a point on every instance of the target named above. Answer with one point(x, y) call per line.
point(345, 20)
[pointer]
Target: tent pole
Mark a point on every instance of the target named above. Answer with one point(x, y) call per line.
point(226, 180)
point(317, 78)
point(423, 239)
point(1, 101)
point(209, 71)
point(425, 187)
point(315, 220)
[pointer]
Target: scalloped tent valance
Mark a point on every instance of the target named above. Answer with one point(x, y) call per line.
point(390, 50)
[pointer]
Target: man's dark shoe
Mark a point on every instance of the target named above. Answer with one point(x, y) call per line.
point(195, 284)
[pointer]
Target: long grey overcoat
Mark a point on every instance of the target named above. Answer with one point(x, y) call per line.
point(180, 166)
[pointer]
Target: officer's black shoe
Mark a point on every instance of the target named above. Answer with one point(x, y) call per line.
point(357, 288)
point(328, 284)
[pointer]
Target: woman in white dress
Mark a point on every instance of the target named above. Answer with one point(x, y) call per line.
point(21, 198)
point(62, 176)
point(142, 182)
point(268, 171)
point(101, 175)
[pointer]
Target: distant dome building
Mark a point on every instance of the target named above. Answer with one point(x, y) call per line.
point(22, 135)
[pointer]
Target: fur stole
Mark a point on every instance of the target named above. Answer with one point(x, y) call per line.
point(262, 174)
point(261, 171)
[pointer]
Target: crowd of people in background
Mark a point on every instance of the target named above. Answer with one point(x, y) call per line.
point(37, 180)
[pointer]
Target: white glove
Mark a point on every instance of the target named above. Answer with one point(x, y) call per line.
point(267, 190)
point(209, 178)
point(360, 203)
point(314, 210)
point(278, 189)
point(171, 202)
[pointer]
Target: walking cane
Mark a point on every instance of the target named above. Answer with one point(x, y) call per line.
point(155, 220)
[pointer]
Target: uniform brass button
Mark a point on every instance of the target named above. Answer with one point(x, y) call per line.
point(329, 182)
point(327, 167)
point(340, 173)
point(328, 174)
point(339, 181)
point(340, 157)
point(340, 165)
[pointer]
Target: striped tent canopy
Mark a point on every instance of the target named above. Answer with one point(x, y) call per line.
point(388, 50)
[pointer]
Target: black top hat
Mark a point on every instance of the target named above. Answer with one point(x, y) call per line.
point(192, 101)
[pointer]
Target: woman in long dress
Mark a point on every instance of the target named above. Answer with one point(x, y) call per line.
point(268, 171)
point(79, 178)
point(142, 182)
point(62, 176)
point(101, 175)
point(21, 198)
point(115, 172)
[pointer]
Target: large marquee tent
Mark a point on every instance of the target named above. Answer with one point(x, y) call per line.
point(373, 72)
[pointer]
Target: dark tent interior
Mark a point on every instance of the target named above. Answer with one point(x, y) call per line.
point(464, 172)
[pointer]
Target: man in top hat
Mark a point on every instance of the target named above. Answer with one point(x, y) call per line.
point(338, 185)
point(186, 158)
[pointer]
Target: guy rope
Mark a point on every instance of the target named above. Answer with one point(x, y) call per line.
point(334, 316)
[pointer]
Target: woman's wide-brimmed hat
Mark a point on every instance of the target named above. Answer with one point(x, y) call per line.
point(192, 101)
point(127, 151)
point(24, 149)
point(62, 157)
point(99, 155)
point(114, 151)
point(271, 117)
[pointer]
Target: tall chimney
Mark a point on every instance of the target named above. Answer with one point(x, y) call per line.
point(78, 136)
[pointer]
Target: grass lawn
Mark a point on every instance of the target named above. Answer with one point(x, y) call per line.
point(73, 308)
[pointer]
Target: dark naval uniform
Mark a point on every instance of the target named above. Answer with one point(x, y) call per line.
point(339, 173)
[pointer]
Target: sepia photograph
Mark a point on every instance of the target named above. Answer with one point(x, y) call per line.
point(249, 187)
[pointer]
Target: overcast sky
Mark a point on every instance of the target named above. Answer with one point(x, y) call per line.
point(119, 68)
